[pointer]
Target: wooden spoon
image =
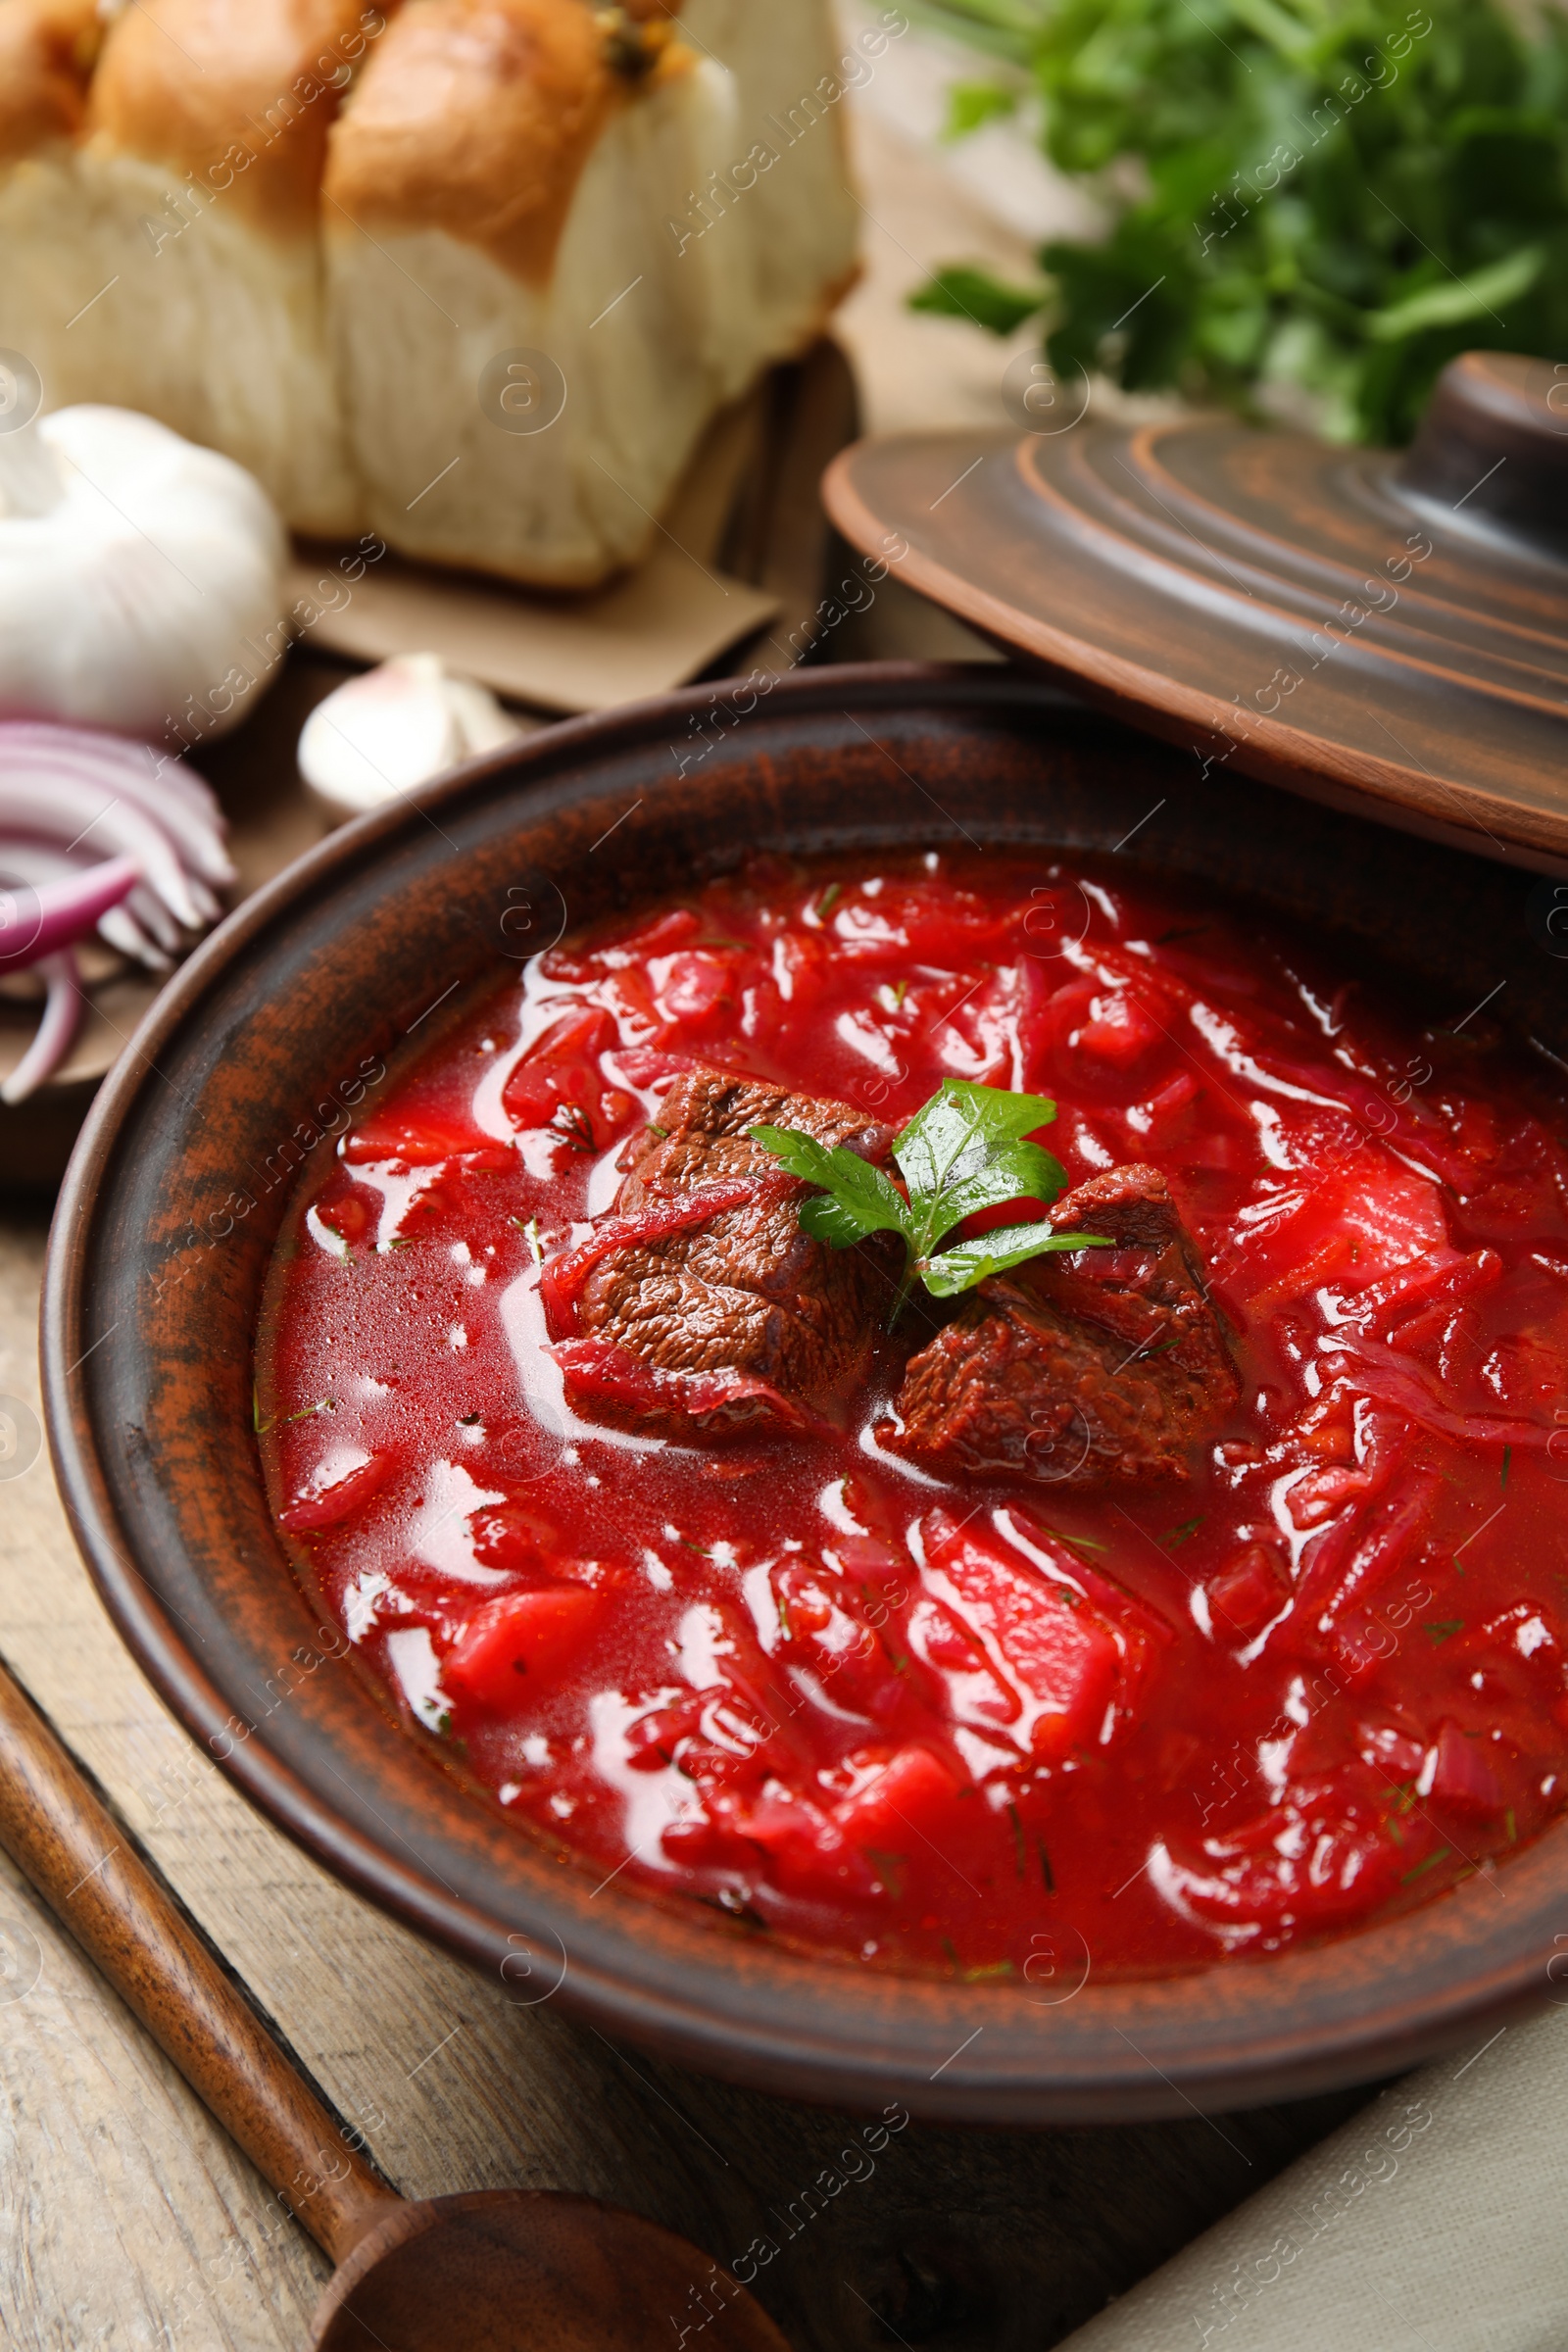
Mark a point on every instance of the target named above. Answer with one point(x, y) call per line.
point(494, 2271)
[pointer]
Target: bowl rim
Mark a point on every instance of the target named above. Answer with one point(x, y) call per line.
point(1273, 2047)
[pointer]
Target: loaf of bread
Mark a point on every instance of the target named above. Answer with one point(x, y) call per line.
point(471, 273)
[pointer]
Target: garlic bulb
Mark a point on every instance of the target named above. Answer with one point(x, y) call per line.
point(395, 727)
point(141, 578)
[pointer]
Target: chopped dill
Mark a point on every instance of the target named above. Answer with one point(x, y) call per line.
point(531, 1234)
point(1431, 1863)
point(572, 1121)
point(891, 1868)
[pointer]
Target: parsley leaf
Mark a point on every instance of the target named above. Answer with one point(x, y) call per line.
point(857, 1199)
point(1333, 196)
point(963, 292)
point(965, 1149)
point(968, 1262)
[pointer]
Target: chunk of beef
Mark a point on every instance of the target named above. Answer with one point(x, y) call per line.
point(698, 1302)
point(1079, 1368)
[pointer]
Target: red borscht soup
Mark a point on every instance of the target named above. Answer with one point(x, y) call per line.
point(1193, 1587)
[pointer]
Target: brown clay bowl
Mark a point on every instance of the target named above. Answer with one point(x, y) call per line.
point(176, 1195)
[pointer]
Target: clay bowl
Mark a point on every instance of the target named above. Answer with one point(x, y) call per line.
point(363, 949)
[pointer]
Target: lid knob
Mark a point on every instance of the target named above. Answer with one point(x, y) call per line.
point(1495, 442)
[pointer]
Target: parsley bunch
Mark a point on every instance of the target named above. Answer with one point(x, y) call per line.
point(963, 1151)
point(1337, 196)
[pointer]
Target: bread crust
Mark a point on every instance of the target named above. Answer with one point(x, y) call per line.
point(477, 117)
point(47, 49)
point(239, 94)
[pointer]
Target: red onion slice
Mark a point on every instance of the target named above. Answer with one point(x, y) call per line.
point(36, 923)
point(35, 862)
point(172, 795)
point(56, 1032)
point(35, 803)
point(95, 829)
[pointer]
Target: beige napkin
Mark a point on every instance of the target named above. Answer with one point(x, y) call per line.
point(644, 633)
point(1432, 2222)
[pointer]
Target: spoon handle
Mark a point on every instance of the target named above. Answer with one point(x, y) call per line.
point(81, 1860)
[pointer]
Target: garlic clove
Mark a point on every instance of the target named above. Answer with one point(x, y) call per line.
point(383, 734)
point(485, 725)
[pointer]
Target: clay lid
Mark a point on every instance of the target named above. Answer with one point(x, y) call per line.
point(1385, 633)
